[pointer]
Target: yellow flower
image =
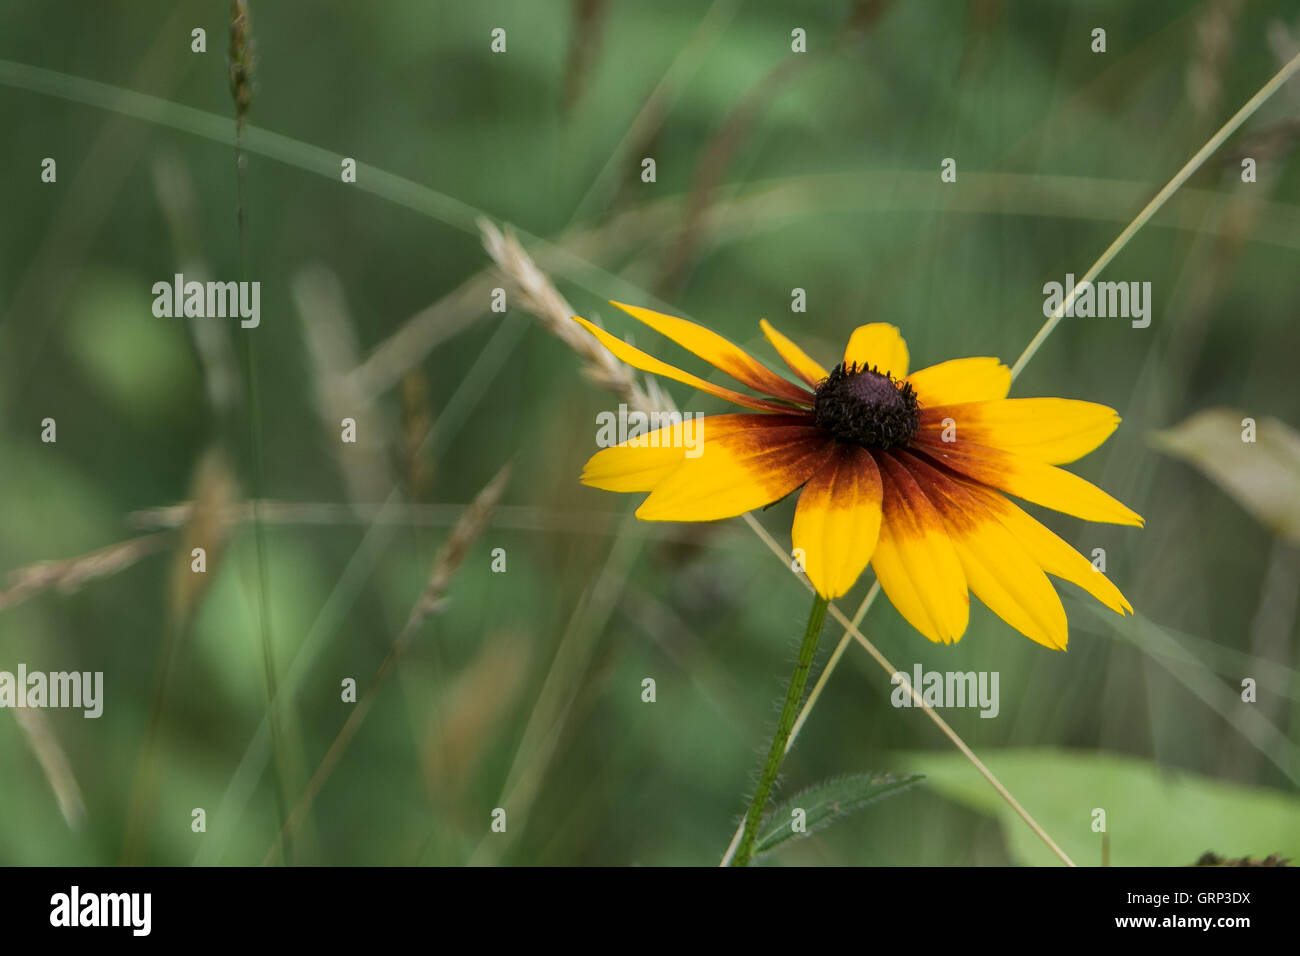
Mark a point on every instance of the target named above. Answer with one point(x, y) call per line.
point(903, 471)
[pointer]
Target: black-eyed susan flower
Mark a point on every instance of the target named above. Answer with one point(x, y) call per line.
point(906, 471)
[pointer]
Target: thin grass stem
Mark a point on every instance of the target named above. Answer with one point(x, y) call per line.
point(1160, 198)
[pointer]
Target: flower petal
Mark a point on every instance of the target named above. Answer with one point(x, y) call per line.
point(878, 345)
point(976, 379)
point(837, 520)
point(640, 463)
point(1053, 554)
point(1050, 430)
point(648, 363)
point(740, 471)
point(793, 356)
point(1000, 570)
point(719, 352)
point(915, 561)
point(1025, 478)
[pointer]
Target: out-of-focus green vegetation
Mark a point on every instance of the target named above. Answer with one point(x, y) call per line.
point(775, 171)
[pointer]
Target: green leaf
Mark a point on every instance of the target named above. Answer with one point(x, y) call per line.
point(1262, 475)
point(1156, 816)
point(826, 802)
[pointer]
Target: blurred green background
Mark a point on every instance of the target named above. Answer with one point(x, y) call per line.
point(775, 171)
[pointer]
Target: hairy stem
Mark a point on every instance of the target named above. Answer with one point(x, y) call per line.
point(793, 694)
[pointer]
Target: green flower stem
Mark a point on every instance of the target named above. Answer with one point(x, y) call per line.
point(794, 694)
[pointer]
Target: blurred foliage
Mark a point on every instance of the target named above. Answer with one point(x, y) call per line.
point(820, 174)
point(1154, 816)
point(1263, 476)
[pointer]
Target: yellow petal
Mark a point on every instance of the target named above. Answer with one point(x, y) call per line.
point(880, 346)
point(837, 520)
point(1053, 554)
point(999, 569)
point(961, 380)
point(915, 561)
point(739, 472)
point(719, 352)
point(648, 363)
point(793, 356)
point(1011, 585)
point(1031, 480)
point(640, 463)
point(1051, 430)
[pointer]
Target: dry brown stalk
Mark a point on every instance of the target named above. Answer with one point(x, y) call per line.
point(241, 60)
point(329, 334)
point(54, 762)
point(541, 298)
point(71, 573)
point(453, 551)
point(207, 526)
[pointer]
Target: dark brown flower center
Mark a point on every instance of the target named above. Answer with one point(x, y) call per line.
point(866, 407)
